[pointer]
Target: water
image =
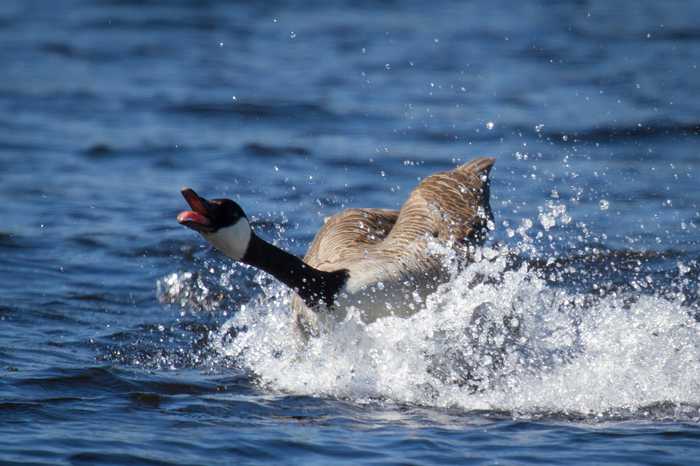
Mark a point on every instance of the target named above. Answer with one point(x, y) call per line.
point(124, 339)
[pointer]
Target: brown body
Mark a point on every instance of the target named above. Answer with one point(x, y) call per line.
point(391, 247)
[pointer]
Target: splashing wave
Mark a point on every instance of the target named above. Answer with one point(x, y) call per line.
point(498, 337)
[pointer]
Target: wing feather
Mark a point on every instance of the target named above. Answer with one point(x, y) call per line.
point(347, 235)
point(452, 206)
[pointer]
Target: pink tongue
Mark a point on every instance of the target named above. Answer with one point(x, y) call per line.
point(190, 216)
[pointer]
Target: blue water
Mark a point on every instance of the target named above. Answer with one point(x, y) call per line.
point(124, 339)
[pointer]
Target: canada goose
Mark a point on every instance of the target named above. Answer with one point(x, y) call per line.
point(374, 260)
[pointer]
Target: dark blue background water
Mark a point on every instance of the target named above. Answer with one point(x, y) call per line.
point(298, 110)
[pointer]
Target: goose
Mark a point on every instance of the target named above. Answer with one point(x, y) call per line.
point(375, 261)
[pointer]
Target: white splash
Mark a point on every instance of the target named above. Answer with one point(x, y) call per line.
point(496, 337)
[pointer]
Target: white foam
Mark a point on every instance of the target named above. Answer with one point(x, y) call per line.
point(543, 349)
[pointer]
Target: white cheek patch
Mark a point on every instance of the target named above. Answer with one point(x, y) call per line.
point(232, 240)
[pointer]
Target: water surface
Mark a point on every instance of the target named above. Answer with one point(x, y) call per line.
point(125, 339)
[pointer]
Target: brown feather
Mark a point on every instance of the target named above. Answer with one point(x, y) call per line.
point(452, 206)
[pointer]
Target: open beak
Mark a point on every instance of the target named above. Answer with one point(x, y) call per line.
point(198, 218)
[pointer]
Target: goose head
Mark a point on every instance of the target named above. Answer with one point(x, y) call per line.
point(221, 222)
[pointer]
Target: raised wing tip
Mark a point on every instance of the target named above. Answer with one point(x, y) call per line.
point(479, 165)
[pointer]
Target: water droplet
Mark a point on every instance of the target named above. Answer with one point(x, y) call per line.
point(547, 221)
point(604, 204)
point(526, 224)
point(490, 125)
point(292, 35)
point(221, 44)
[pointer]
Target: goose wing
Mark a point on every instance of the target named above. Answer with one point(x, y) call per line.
point(450, 206)
point(348, 235)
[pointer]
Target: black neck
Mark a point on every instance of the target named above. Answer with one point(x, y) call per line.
point(312, 285)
